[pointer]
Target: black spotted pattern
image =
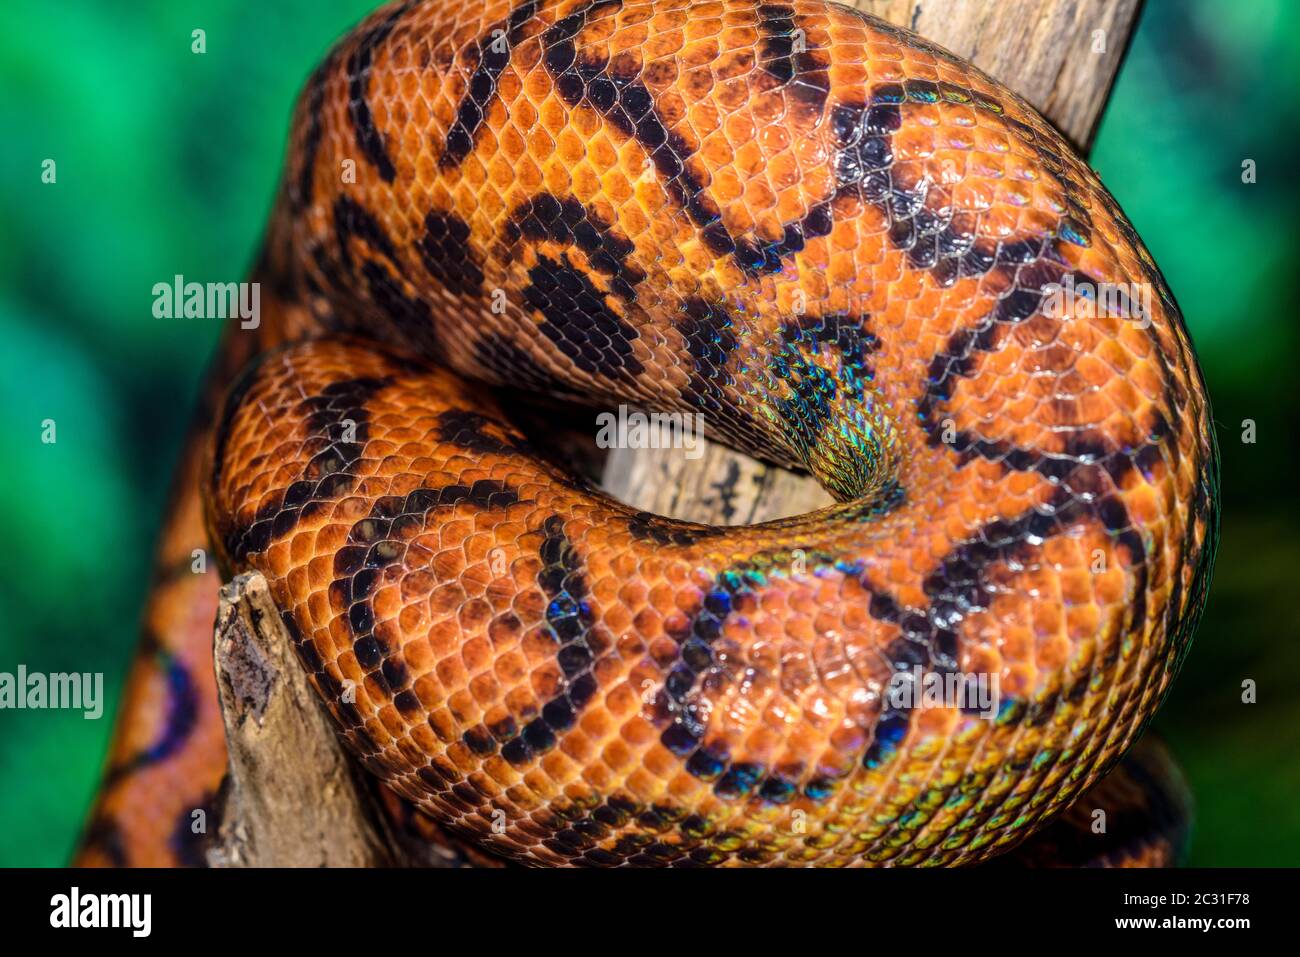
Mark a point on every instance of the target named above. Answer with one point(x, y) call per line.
point(569, 625)
point(588, 80)
point(339, 427)
point(787, 56)
point(378, 543)
point(490, 55)
point(566, 222)
point(579, 320)
point(448, 256)
point(369, 139)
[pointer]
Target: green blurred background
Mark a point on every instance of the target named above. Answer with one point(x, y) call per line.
point(167, 162)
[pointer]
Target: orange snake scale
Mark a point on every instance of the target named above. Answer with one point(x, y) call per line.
point(843, 247)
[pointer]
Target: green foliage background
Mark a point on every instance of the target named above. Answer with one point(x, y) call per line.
point(167, 162)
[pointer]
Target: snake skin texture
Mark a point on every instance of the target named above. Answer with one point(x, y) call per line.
point(839, 244)
point(1148, 812)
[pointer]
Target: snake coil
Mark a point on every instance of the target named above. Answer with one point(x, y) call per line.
point(844, 247)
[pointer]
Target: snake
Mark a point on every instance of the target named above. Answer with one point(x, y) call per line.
point(848, 252)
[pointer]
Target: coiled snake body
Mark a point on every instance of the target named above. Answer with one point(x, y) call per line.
point(841, 245)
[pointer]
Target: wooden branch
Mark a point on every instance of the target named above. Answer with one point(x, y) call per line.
point(292, 797)
point(721, 486)
point(1042, 49)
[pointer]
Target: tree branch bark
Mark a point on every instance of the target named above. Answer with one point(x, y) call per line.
point(292, 797)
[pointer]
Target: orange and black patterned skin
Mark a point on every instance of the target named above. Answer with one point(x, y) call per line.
point(836, 242)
